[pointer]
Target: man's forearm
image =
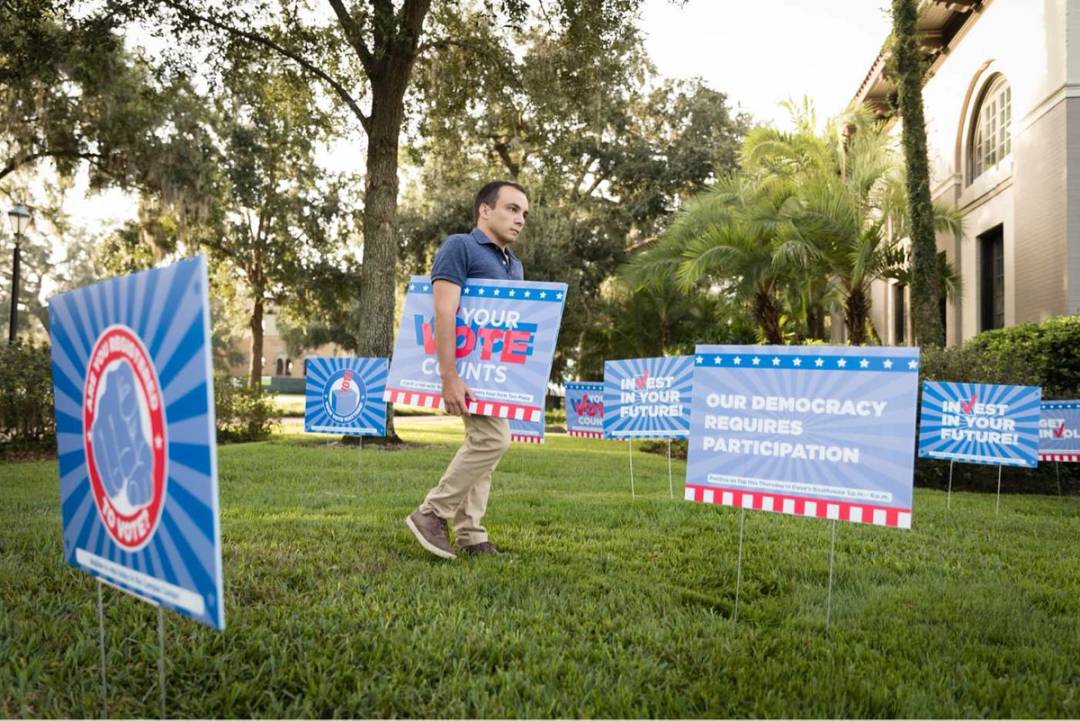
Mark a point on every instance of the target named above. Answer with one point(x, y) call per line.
point(446, 343)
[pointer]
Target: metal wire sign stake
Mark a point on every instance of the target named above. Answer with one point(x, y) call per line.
point(738, 565)
point(948, 497)
point(101, 640)
point(630, 455)
point(832, 559)
point(671, 486)
point(997, 504)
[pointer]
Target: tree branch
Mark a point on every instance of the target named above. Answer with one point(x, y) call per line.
point(353, 35)
point(17, 162)
point(503, 149)
point(266, 42)
point(411, 18)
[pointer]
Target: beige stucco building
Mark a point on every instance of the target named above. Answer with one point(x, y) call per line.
point(276, 361)
point(1002, 102)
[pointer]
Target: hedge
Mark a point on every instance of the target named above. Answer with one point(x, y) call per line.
point(26, 397)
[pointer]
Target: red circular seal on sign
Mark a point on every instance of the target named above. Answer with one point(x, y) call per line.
point(124, 437)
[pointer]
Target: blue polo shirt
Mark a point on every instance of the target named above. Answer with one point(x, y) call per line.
point(474, 255)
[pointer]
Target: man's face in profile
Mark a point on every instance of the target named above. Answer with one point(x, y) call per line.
point(505, 221)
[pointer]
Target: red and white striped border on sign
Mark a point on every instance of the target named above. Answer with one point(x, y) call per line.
point(586, 434)
point(1063, 457)
point(526, 439)
point(798, 506)
point(484, 408)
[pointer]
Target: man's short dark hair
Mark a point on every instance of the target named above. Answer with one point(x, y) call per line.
point(489, 195)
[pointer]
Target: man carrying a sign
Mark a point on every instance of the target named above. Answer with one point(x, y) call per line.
point(500, 211)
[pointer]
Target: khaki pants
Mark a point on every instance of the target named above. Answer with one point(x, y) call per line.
point(462, 494)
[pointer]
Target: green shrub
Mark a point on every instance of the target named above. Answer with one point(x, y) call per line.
point(970, 364)
point(1043, 354)
point(1050, 348)
point(243, 413)
point(26, 394)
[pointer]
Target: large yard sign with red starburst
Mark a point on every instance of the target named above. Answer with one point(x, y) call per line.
point(135, 436)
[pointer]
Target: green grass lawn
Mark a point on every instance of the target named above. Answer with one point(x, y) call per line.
point(289, 404)
point(605, 606)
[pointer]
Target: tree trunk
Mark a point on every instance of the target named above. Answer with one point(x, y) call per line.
point(767, 312)
point(925, 274)
point(815, 322)
point(856, 311)
point(255, 375)
point(378, 274)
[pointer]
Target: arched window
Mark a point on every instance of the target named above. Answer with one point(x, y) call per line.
point(279, 367)
point(991, 131)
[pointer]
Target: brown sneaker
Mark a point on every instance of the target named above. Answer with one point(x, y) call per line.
point(480, 549)
point(432, 533)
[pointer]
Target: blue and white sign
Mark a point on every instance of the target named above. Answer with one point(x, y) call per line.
point(345, 396)
point(135, 436)
point(526, 431)
point(506, 335)
point(825, 431)
point(1059, 431)
point(648, 397)
point(980, 423)
point(585, 409)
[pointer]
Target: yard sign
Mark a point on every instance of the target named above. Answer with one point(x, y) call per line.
point(135, 436)
point(826, 431)
point(648, 397)
point(980, 423)
point(506, 335)
point(345, 396)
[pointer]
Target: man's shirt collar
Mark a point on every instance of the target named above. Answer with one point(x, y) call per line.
point(481, 237)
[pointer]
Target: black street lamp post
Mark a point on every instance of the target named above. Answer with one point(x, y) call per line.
point(20, 218)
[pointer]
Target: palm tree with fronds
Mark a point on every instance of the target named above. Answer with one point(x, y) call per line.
point(735, 235)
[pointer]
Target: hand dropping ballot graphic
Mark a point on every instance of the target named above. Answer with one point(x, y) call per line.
point(505, 340)
point(980, 423)
point(136, 440)
point(344, 396)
